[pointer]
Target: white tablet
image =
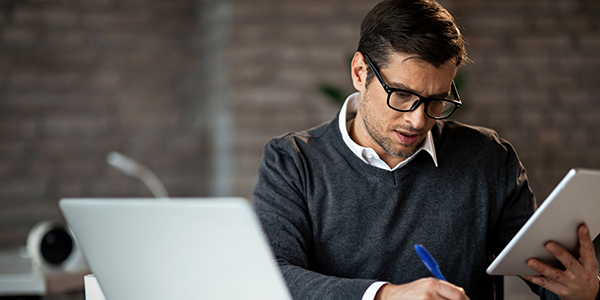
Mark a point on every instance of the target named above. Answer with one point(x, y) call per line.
point(574, 201)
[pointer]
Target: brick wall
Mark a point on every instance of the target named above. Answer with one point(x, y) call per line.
point(81, 78)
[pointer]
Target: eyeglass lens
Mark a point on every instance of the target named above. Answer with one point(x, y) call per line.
point(435, 108)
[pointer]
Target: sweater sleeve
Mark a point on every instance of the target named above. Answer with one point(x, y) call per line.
point(519, 204)
point(279, 201)
point(516, 203)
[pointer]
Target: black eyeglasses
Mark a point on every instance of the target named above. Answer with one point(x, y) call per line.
point(405, 101)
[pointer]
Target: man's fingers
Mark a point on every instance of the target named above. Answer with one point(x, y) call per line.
point(548, 272)
point(450, 291)
point(586, 249)
point(569, 262)
point(579, 280)
point(424, 288)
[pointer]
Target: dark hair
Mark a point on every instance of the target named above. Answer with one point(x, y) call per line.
point(420, 27)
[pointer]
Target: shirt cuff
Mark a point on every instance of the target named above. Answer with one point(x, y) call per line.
point(371, 292)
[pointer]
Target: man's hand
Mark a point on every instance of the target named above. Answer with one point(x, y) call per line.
point(425, 288)
point(579, 280)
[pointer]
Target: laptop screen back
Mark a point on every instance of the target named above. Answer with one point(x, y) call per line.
point(203, 248)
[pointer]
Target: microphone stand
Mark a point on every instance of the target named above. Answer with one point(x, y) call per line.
point(132, 168)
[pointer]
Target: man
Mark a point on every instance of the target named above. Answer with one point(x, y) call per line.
point(343, 203)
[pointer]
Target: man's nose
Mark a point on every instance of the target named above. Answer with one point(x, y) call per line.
point(417, 118)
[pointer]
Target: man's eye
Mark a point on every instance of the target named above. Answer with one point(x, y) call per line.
point(403, 96)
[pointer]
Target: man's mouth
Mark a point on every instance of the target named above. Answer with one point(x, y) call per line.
point(407, 139)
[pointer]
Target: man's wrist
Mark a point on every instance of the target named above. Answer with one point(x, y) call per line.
point(389, 291)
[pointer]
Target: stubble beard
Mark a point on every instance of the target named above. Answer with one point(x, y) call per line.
point(376, 131)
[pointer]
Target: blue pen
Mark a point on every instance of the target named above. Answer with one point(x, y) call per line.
point(429, 262)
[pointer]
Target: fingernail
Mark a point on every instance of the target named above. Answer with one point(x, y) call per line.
point(551, 247)
point(533, 264)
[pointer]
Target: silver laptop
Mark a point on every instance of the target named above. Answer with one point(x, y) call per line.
point(196, 248)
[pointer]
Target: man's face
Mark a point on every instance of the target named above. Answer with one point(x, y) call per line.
point(390, 132)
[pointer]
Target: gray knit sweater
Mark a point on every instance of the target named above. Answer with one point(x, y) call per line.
point(337, 224)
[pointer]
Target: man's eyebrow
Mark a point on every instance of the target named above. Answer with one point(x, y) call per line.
point(402, 86)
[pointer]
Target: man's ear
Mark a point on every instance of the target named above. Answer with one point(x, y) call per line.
point(358, 71)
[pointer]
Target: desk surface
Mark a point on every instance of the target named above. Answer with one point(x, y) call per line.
point(18, 277)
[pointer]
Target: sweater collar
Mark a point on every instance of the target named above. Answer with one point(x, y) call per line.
point(368, 155)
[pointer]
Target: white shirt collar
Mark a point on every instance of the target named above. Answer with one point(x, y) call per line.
point(368, 155)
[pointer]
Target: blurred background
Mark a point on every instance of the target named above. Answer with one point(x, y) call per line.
point(193, 89)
